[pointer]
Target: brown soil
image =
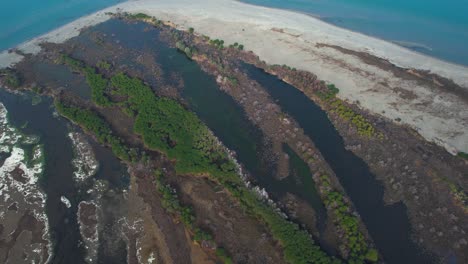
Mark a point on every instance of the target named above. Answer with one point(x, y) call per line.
point(88, 219)
point(173, 234)
point(432, 80)
point(240, 234)
point(18, 175)
point(27, 224)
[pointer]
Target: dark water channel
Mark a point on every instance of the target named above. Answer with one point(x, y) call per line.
point(58, 171)
point(58, 179)
point(219, 111)
point(388, 225)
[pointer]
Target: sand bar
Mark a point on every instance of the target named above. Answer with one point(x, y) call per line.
point(285, 37)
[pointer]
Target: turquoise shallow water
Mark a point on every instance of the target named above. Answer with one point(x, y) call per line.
point(21, 20)
point(434, 27)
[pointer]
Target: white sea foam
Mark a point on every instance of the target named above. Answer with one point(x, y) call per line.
point(65, 201)
point(84, 162)
point(19, 179)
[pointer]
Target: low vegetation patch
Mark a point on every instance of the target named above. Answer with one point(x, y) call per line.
point(185, 49)
point(221, 253)
point(10, 78)
point(355, 241)
point(463, 155)
point(166, 126)
point(96, 81)
point(96, 125)
point(103, 65)
point(237, 46)
point(218, 43)
point(363, 127)
point(459, 194)
point(138, 16)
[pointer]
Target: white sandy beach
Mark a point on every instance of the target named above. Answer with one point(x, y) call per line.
point(437, 115)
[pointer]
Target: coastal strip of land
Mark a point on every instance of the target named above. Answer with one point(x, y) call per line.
point(424, 93)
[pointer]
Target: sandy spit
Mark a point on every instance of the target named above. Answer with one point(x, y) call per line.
point(285, 37)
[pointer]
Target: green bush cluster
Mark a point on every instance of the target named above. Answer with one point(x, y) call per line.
point(144, 17)
point(182, 47)
point(333, 89)
point(92, 123)
point(171, 203)
point(218, 43)
point(363, 127)
point(140, 16)
point(167, 126)
point(103, 65)
point(354, 239)
point(298, 245)
point(10, 78)
point(459, 194)
point(191, 30)
point(96, 81)
point(330, 93)
point(37, 89)
point(74, 64)
point(200, 235)
point(233, 80)
point(462, 155)
point(221, 253)
point(284, 66)
point(237, 46)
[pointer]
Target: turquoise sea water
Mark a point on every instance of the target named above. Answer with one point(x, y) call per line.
point(21, 20)
point(434, 27)
point(438, 28)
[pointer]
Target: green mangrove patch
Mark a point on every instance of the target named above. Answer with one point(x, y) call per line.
point(166, 126)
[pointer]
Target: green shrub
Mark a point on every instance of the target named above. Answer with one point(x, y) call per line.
point(96, 81)
point(10, 78)
point(182, 47)
point(462, 155)
point(103, 65)
point(333, 89)
point(354, 239)
point(458, 193)
point(221, 253)
point(218, 43)
point(166, 126)
point(364, 127)
point(140, 16)
point(372, 255)
point(92, 123)
point(200, 235)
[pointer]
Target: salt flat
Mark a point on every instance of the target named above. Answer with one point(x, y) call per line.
point(285, 37)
